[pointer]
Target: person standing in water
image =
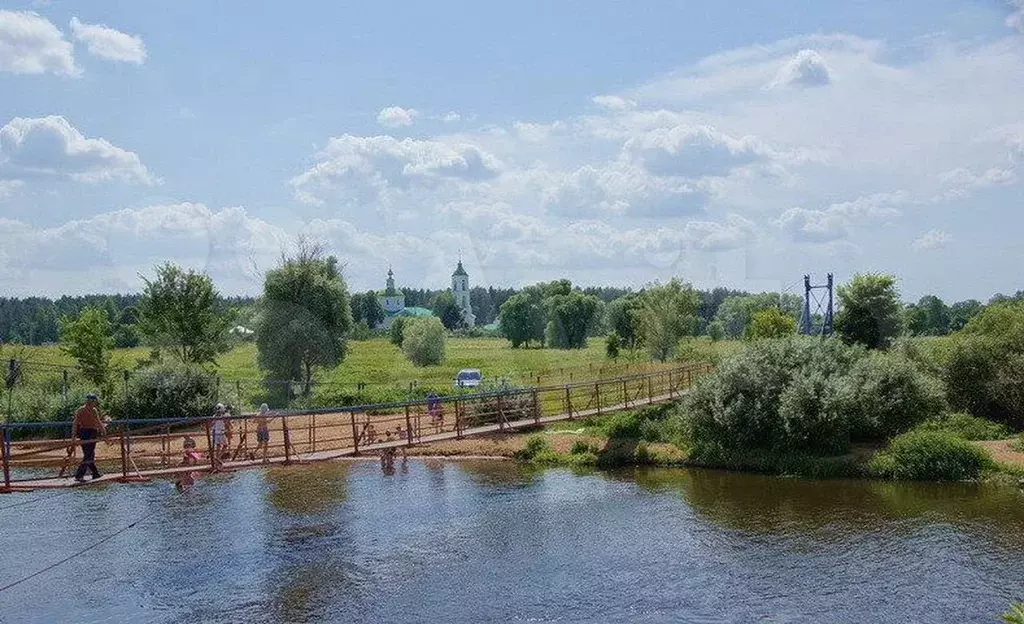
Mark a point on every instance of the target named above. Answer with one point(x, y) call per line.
point(263, 430)
point(88, 427)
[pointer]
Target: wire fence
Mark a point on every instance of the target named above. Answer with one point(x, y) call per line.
point(41, 391)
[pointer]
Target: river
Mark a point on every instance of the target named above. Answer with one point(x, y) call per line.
point(482, 541)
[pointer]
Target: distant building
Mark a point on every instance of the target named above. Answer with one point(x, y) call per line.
point(460, 288)
point(393, 301)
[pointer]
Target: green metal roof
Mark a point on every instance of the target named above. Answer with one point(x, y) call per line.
point(417, 312)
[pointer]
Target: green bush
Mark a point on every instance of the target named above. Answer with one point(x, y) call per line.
point(738, 406)
point(885, 394)
point(396, 333)
point(698, 351)
point(809, 396)
point(966, 426)
point(984, 373)
point(169, 391)
point(580, 447)
point(534, 447)
point(811, 416)
point(423, 341)
point(931, 455)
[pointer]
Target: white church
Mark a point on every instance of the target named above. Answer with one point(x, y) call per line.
point(393, 300)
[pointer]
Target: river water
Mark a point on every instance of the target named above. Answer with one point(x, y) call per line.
point(483, 541)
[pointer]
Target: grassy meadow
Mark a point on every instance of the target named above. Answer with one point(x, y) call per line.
point(382, 369)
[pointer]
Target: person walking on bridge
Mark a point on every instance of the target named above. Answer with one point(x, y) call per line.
point(88, 427)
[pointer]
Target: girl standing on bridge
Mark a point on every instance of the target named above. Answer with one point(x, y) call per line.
point(263, 430)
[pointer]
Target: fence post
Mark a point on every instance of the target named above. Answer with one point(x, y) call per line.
point(670, 384)
point(355, 433)
point(5, 449)
point(501, 412)
point(536, 407)
point(597, 396)
point(408, 426)
point(625, 394)
point(458, 418)
point(287, 441)
point(166, 445)
point(568, 403)
point(209, 445)
point(650, 391)
point(124, 457)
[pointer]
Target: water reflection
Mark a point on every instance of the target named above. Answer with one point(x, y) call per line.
point(831, 508)
point(488, 472)
point(306, 490)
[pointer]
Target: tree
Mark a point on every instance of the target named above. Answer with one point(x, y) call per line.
point(871, 310)
point(448, 311)
point(179, 311)
point(522, 319)
point(734, 313)
point(963, 311)
point(371, 310)
point(623, 317)
point(664, 316)
point(306, 317)
point(928, 317)
point(716, 331)
point(88, 339)
point(611, 345)
point(424, 341)
point(770, 323)
point(396, 333)
point(571, 316)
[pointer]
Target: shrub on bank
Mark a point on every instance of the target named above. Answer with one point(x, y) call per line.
point(932, 456)
point(885, 395)
point(806, 395)
point(966, 426)
point(984, 373)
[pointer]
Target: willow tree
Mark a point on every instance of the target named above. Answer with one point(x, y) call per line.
point(666, 315)
point(306, 317)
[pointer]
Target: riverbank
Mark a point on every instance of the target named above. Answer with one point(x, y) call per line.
point(584, 443)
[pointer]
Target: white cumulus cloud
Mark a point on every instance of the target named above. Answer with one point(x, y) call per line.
point(932, 240)
point(109, 43)
point(1015, 19)
point(806, 69)
point(52, 147)
point(31, 44)
point(613, 102)
point(812, 226)
point(361, 168)
point(397, 117)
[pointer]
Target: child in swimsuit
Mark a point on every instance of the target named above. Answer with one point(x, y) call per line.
point(263, 430)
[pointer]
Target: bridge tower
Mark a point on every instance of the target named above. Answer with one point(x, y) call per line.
point(824, 308)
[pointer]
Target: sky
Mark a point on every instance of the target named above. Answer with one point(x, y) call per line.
point(740, 144)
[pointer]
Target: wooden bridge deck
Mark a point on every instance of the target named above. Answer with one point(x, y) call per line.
point(633, 392)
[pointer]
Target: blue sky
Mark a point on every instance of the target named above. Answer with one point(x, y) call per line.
point(741, 144)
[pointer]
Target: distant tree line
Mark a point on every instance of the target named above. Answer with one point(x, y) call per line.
point(722, 312)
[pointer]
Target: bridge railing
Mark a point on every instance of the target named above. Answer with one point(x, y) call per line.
point(132, 446)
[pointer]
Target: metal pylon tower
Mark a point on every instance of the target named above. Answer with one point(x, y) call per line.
point(824, 308)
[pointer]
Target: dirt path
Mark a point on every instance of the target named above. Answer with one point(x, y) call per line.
point(1003, 452)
